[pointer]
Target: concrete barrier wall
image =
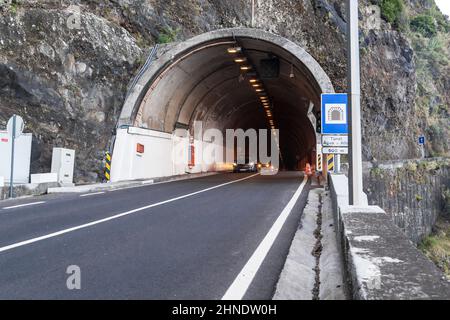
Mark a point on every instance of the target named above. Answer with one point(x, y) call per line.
point(411, 192)
point(380, 262)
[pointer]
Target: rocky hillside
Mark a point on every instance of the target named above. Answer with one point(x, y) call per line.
point(68, 79)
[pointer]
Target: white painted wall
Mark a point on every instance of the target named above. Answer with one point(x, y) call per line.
point(157, 161)
point(22, 157)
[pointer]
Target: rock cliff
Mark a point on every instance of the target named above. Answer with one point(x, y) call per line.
point(68, 79)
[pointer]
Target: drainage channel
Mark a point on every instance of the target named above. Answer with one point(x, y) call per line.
point(317, 251)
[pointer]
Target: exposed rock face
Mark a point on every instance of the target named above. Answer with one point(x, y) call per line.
point(69, 84)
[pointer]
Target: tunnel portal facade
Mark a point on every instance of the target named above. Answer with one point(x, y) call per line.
point(237, 78)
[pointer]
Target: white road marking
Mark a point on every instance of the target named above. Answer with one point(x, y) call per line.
point(24, 205)
point(92, 194)
point(242, 282)
point(93, 223)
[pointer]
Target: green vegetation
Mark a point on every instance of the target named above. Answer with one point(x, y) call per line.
point(392, 11)
point(376, 171)
point(13, 7)
point(424, 24)
point(437, 246)
point(429, 35)
point(168, 35)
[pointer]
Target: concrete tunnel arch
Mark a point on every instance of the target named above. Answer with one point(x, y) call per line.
point(197, 80)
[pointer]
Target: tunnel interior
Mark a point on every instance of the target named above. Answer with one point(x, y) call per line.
point(233, 82)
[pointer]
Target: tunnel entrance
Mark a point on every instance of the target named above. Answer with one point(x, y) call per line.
point(236, 78)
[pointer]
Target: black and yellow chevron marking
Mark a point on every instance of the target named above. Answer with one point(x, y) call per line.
point(330, 162)
point(319, 162)
point(108, 166)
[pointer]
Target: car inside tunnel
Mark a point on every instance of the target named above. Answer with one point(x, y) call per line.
point(228, 79)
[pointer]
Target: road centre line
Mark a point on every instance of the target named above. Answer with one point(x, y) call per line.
point(24, 205)
point(92, 194)
point(93, 223)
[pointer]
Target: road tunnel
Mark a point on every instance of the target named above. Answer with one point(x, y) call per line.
point(225, 79)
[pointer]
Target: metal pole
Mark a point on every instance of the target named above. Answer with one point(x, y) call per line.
point(354, 92)
point(11, 176)
point(337, 163)
point(253, 13)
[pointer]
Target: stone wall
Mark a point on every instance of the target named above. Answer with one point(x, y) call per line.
point(380, 263)
point(411, 192)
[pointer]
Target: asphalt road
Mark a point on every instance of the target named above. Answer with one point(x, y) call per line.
point(190, 239)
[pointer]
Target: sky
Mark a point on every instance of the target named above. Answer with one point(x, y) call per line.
point(444, 5)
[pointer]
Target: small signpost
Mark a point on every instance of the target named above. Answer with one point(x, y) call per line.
point(334, 122)
point(422, 145)
point(15, 129)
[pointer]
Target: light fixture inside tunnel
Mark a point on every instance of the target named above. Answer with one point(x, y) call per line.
point(248, 70)
point(240, 59)
point(233, 50)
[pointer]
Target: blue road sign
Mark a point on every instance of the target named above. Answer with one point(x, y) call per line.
point(421, 140)
point(334, 113)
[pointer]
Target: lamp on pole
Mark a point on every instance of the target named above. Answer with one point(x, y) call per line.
point(354, 98)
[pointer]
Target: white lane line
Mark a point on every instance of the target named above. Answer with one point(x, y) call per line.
point(93, 223)
point(92, 194)
point(24, 205)
point(242, 282)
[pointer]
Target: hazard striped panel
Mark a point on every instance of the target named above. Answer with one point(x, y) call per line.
point(330, 162)
point(319, 162)
point(108, 166)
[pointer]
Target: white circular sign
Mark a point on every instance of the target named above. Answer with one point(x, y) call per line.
point(19, 126)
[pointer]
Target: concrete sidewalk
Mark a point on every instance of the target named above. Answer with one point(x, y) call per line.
point(98, 187)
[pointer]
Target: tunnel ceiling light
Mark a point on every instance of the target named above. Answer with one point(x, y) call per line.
point(256, 85)
point(253, 80)
point(234, 50)
point(246, 67)
point(259, 90)
point(240, 59)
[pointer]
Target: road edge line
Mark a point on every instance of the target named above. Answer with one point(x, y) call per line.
point(242, 282)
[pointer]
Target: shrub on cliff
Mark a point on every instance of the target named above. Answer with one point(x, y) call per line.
point(425, 25)
point(392, 10)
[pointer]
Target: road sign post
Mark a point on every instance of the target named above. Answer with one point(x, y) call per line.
point(15, 129)
point(355, 180)
point(11, 176)
point(334, 123)
point(422, 146)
